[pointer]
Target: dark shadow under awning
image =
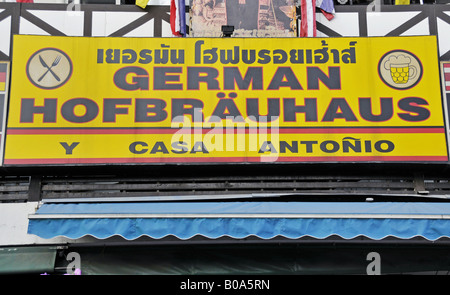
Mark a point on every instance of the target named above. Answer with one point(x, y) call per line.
point(264, 220)
point(17, 260)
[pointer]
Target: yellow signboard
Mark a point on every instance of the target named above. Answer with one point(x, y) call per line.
point(80, 100)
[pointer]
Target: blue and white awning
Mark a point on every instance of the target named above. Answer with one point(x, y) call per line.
point(265, 220)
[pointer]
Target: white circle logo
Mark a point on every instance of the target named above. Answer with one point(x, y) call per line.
point(49, 68)
point(400, 69)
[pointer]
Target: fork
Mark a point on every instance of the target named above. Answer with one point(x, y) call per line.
point(49, 69)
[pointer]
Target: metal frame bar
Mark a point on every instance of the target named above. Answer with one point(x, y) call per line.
point(247, 216)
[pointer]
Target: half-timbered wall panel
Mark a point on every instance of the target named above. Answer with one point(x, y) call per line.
point(132, 21)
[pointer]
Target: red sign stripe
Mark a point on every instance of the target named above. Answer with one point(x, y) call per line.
point(217, 130)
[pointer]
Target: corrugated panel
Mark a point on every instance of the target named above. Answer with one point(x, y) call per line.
point(14, 188)
point(101, 187)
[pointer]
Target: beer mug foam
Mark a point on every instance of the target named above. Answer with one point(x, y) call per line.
point(400, 68)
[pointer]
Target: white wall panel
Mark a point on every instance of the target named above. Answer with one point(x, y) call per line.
point(68, 22)
point(344, 23)
point(5, 34)
point(105, 23)
point(381, 23)
point(28, 28)
point(422, 28)
point(14, 226)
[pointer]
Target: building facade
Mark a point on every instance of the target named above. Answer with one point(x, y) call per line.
point(111, 128)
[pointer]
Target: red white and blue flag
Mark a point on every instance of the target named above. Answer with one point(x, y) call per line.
point(326, 7)
point(308, 15)
point(308, 18)
point(178, 17)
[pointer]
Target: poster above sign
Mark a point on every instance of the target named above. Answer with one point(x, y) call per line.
point(82, 100)
point(249, 18)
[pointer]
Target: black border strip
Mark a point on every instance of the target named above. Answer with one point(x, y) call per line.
point(4, 14)
point(3, 56)
point(87, 29)
point(326, 30)
point(445, 56)
point(363, 30)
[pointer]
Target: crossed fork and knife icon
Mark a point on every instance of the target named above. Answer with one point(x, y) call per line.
point(49, 68)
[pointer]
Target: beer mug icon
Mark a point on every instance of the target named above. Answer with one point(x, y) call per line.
point(400, 68)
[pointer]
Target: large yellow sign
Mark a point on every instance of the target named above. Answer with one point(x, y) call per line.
point(80, 100)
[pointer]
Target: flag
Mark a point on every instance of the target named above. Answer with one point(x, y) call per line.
point(308, 18)
point(142, 3)
point(308, 15)
point(182, 17)
point(3, 76)
point(178, 17)
point(327, 8)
